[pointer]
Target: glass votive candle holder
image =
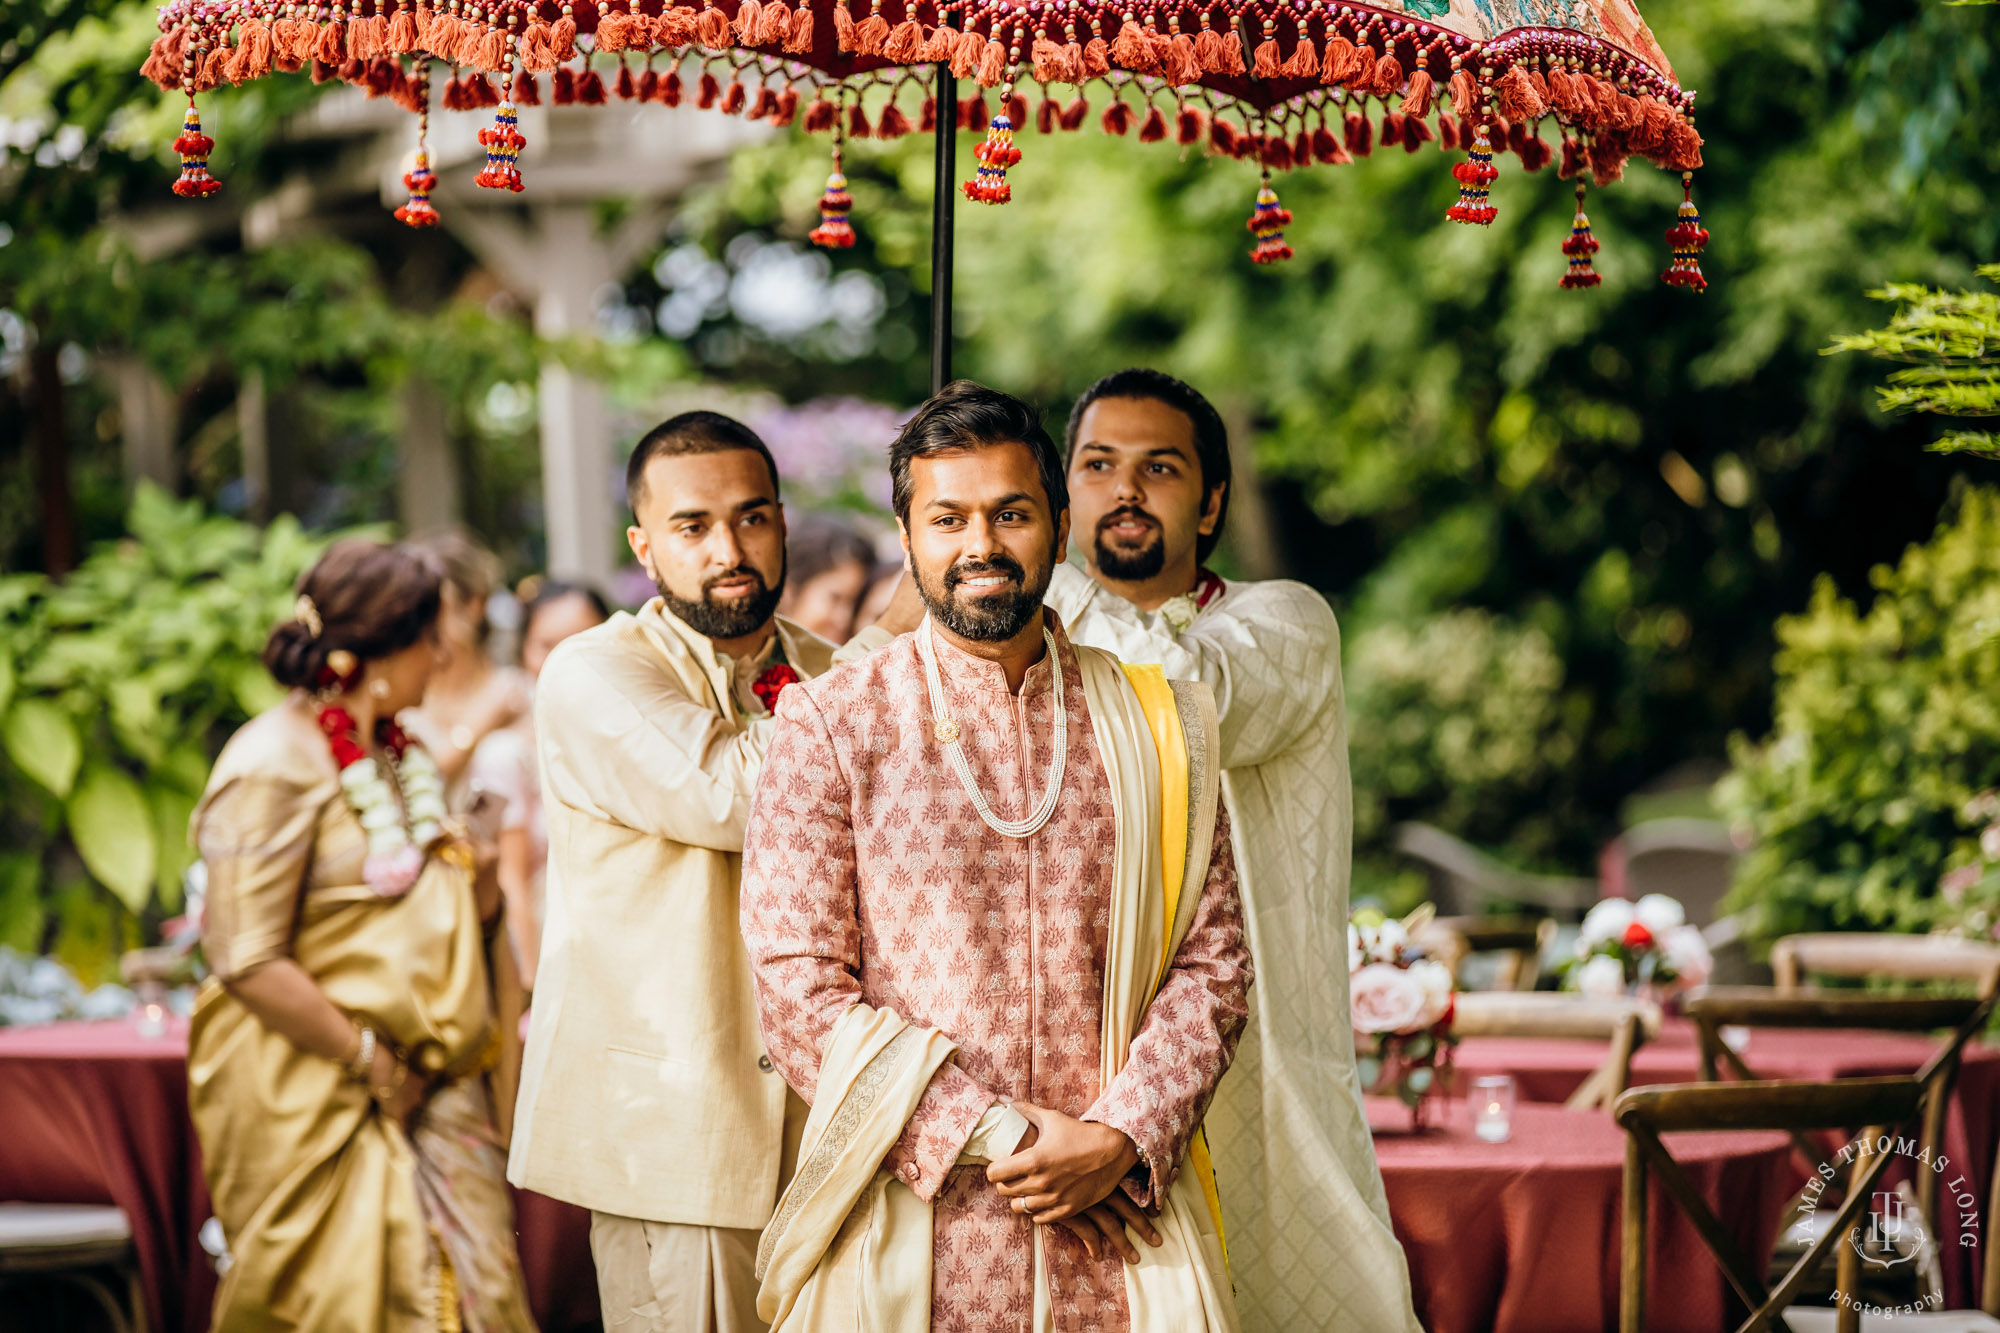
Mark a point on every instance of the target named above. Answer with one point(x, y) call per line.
point(149, 1013)
point(1493, 1107)
point(1735, 1038)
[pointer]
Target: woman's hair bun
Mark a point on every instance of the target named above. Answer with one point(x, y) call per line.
point(368, 598)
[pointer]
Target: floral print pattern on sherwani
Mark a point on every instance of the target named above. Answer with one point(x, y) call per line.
point(868, 875)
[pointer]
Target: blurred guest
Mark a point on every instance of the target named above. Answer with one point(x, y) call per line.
point(828, 566)
point(883, 587)
point(504, 765)
point(338, 1058)
point(469, 696)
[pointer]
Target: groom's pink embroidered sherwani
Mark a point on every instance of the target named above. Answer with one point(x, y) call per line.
point(869, 875)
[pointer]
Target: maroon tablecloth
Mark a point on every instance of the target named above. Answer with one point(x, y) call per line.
point(1523, 1236)
point(1549, 1070)
point(95, 1113)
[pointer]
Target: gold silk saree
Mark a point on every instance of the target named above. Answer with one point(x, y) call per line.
point(334, 1216)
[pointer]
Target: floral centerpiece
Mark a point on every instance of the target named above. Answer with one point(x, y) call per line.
point(1644, 948)
point(1402, 1007)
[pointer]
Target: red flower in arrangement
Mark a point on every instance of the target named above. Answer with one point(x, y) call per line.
point(1636, 936)
point(338, 726)
point(771, 683)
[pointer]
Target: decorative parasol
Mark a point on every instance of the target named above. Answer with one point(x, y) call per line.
point(1282, 84)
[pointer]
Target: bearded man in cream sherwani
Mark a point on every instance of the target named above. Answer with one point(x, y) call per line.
point(990, 907)
point(645, 1092)
point(1306, 1221)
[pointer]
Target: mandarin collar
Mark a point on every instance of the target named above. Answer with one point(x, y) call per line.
point(961, 671)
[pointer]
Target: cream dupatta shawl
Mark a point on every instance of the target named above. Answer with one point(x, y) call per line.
point(849, 1249)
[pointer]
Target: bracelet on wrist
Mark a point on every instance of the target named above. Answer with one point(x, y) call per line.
point(363, 1064)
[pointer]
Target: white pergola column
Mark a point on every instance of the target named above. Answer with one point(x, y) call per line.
point(579, 460)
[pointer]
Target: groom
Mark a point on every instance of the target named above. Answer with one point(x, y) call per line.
point(992, 918)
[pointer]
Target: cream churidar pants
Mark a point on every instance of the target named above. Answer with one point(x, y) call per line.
point(662, 1277)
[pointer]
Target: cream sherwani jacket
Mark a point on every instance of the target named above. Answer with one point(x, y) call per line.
point(1303, 1209)
point(645, 1091)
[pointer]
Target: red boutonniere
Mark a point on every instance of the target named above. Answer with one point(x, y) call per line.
point(770, 683)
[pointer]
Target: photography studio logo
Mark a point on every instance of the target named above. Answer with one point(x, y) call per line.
point(1898, 1246)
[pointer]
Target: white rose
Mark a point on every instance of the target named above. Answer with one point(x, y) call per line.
point(1606, 920)
point(1435, 978)
point(1660, 914)
point(1387, 999)
point(1601, 978)
point(1354, 958)
point(1368, 935)
point(1687, 953)
point(1391, 939)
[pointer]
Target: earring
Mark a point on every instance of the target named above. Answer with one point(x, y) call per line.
point(378, 688)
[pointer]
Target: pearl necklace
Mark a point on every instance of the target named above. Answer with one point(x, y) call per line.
point(946, 729)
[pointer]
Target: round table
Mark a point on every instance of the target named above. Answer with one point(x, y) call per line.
point(1549, 1070)
point(1523, 1236)
point(96, 1113)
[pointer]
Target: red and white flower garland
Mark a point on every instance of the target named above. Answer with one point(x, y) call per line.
point(398, 839)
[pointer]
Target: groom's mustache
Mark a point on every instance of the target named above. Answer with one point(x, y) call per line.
point(999, 564)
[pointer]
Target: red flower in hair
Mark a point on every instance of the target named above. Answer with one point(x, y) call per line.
point(1637, 937)
point(770, 683)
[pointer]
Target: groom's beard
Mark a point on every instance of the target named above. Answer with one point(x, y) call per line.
point(730, 619)
point(993, 617)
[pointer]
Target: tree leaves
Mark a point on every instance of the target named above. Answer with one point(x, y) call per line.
point(112, 826)
point(42, 742)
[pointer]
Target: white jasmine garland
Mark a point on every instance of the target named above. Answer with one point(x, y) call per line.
point(398, 836)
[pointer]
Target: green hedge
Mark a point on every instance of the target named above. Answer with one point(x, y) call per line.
point(117, 686)
point(1887, 723)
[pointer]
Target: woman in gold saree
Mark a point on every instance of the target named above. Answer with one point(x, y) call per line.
point(339, 1059)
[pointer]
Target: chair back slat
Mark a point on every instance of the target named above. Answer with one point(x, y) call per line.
point(1758, 1006)
point(1801, 1104)
point(1898, 956)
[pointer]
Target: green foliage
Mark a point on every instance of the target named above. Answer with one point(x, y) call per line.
point(127, 677)
point(1952, 339)
point(1888, 724)
point(1449, 720)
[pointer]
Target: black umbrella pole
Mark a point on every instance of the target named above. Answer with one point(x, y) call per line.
point(941, 208)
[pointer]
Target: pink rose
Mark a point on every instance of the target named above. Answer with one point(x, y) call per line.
point(1388, 999)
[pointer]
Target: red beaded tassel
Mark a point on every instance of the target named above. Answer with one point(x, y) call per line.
point(1580, 246)
point(1475, 176)
point(1267, 223)
point(1687, 237)
point(419, 211)
point(834, 231)
point(194, 148)
point(989, 184)
point(503, 143)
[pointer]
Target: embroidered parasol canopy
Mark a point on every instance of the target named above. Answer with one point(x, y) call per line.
point(1283, 84)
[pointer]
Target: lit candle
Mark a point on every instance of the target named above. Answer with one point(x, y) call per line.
point(1493, 1107)
point(152, 1020)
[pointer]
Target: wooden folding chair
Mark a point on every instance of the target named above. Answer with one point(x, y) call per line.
point(1624, 1022)
point(1521, 941)
point(1884, 1105)
point(1903, 957)
point(1716, 1007)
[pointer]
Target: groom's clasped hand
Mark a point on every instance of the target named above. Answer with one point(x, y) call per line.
point(1066, 1171)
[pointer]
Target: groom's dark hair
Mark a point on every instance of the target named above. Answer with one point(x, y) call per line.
point(963, 416)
